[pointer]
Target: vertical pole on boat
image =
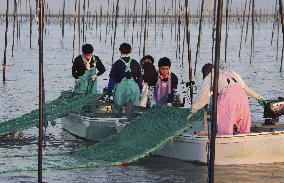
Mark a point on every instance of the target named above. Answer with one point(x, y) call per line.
point(215, 91)
point(40, 126)
point(282, 23)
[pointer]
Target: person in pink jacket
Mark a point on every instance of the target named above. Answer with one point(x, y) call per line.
point(232, 103)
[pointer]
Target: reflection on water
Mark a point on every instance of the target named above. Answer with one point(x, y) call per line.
point(19, 96)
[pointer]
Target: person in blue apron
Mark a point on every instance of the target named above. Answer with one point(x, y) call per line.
point(86, 68)
point(125, 80)
point(166, 84)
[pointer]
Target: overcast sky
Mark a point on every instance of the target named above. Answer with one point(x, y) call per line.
point(56, 5)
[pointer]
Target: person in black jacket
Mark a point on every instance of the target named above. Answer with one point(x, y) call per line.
point(166, 84)
point(125, 79)
point(86, 68)
point(149, 77)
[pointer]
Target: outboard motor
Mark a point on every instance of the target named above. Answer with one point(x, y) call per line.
point(273, 110)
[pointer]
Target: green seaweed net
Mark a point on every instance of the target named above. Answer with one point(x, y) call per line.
point(57, 108)
point(142, 137)
point(139, 139)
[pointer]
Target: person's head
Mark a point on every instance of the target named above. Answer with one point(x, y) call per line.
point(125, 48)
point(88, 50)
point(147, 59)
point(207, 69)
point(164, 65)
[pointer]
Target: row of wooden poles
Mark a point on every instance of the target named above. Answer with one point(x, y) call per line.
point(175, 16)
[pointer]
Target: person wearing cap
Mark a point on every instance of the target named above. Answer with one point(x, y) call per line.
point(125, 79)
point(166, 84)
point(84, 70)
point(232, 103)
point(149, 77)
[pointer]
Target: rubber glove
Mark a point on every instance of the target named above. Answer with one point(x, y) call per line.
point(191, 113)
point(94, 77)
point(169, 104)
point(261, 101)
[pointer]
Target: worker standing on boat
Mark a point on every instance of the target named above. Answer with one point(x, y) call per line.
point(84, 70)
point(166, 84)
point(125, 79)
point(149, 77)
point(232, 103)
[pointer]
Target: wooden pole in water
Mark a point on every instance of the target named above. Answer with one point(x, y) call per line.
point(134, 17)
point(145, 29)
point(74, 27)
point(187, 21)
point(282, 23)
point(63, 19)
point(79, 26)
point(215, 92)
point(6, 42)
point(14, 24)
point(155, 22)
point(242, 29)
point(115, 26)
point(252, 32)
point(40, 125)
point(31, 24)
point(199, 36)
point(226, 39)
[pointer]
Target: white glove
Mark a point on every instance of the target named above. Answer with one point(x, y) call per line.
point(152, 103)
point(189, 116)
point(94, 77)
point(169, 104)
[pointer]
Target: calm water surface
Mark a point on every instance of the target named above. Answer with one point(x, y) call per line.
point(19, 95)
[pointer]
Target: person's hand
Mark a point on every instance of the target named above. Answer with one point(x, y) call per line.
point(169, 104)
point(261, 101)
point(94, 77)
point(152, 103)
point(191, 113)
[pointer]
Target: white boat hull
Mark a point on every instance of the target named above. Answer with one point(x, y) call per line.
point(92, 129)
point(254, 148)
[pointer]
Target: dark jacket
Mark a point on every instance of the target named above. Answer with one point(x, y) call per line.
point(79, 68)
point(117, 73)
point(150, 75)
point(118, 70)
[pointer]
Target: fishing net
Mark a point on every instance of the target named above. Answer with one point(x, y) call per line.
point(142, 137)
point(57, 108)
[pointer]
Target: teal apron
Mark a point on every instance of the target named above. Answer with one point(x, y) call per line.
point(126, 91)
point(84, 84)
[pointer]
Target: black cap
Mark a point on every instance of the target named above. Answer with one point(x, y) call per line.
point(125, 48)
point(206, 69)
point(147, 57)
point(87, 49)
point(164, 62)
